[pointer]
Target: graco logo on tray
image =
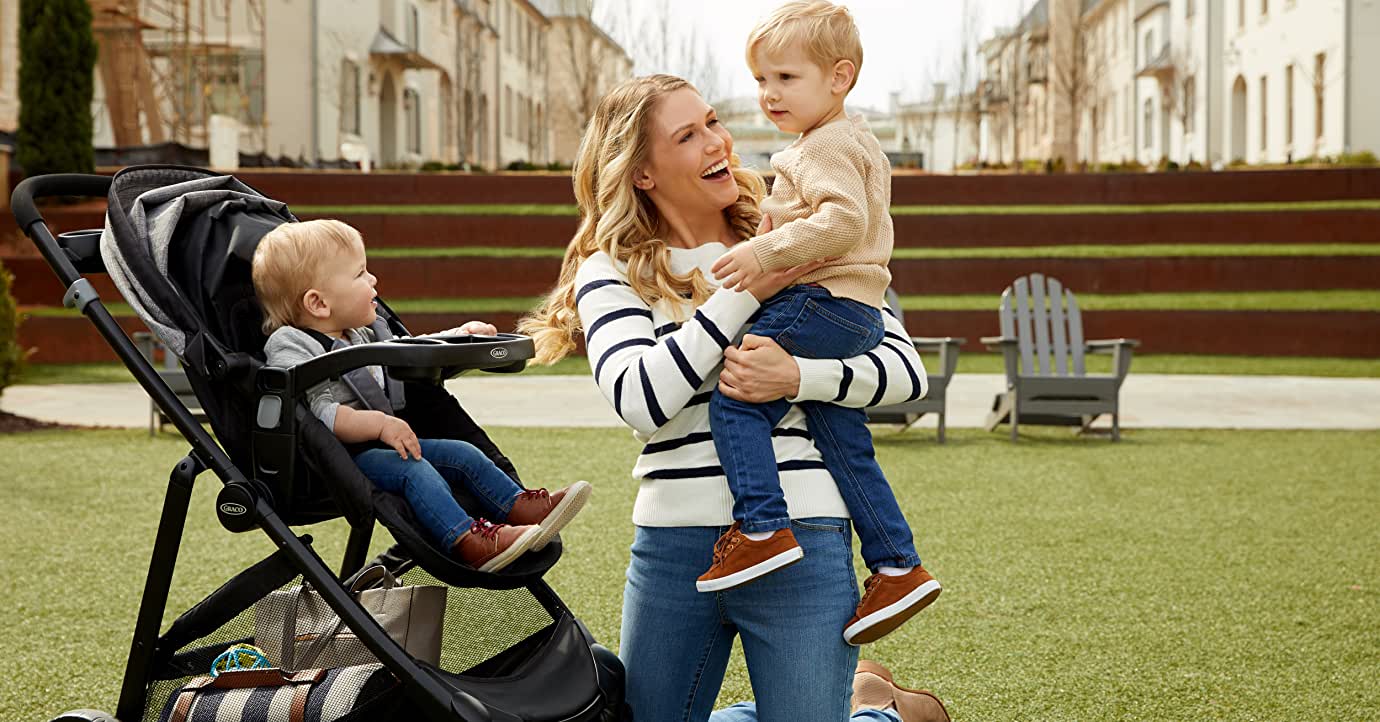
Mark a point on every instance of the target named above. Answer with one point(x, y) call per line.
point(232, 509)
point(499, 352)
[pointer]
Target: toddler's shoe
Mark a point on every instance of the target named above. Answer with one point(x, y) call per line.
point(550, 511)
point(888, 602)
point(873, 688)
point(739, 560)
point(489, 547)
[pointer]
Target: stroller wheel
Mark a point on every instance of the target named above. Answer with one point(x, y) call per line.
point(84, 715)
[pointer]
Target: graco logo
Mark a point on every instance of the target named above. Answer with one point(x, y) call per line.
point(232, 509)
point(499, 352)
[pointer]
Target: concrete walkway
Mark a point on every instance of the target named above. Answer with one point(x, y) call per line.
point(1148, 400)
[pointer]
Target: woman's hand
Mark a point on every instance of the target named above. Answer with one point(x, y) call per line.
point(759, 371)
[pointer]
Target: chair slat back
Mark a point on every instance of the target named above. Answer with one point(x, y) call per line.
point(1023, 325)
point(1043, 317)
point(1058, 327)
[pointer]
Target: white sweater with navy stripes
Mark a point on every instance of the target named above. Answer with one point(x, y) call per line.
point(659, 374)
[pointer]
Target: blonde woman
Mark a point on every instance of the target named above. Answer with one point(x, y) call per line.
point(661, 197)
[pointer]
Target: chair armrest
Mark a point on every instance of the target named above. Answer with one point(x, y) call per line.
point(1109, 345)
point(932, 344)
point(994, 343)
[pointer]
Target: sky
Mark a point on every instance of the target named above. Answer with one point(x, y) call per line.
point(905, 42)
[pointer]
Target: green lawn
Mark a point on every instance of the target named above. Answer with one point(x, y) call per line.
point(553, 209)
point(968, 363)
point(1163, 250)
point(1174, 576)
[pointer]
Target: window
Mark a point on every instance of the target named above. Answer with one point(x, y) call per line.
point(1240, 14)
point(1188, 8)
point(1264, 8)
point(1264, 113)
point(349, 98)
point(1319, 91)
point(1149, 122)
point(507, 111)
point(1289, 106)
point(1149, 47)
point(412, 110)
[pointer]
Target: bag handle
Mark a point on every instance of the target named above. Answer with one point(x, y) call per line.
point(374, 576)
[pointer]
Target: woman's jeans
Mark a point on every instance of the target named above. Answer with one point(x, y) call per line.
point(807, 321)
point(676, 640)
point(426, 483)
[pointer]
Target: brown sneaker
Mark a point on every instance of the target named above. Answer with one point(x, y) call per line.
point(549, 511)
point(887, 604)
point(489, 547)
point(739, 560)
point(873, 688)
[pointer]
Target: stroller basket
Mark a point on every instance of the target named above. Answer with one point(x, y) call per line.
point(176, 245)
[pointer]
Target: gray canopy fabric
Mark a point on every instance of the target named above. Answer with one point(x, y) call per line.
point(146, 206)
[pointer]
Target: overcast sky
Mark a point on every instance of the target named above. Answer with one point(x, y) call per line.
point(903, 40)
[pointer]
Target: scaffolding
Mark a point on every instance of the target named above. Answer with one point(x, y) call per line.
point(169, 65)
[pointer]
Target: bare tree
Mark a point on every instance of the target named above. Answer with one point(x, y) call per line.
point(469, 62)
point(661, 43)
point(1178, 86)
point(1078, 77)
point(1014, 81)
point(585, 54)
point(1315, 73)
point(968, 41)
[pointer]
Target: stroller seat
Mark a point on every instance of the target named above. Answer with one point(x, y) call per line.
point(178, 244)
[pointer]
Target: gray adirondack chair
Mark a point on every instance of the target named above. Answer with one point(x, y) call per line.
point(934, 401)
point(1042, 344)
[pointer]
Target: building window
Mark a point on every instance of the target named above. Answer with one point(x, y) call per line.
point(1240, 14)
point(1188, 8)
point(1264, 9)
point(1264, 113)
point(1289, 106)
point(349, 98)
point(1149, 121)
point(412, 110)
point(413, 28)
point(1149, 47)
point(1319, 93)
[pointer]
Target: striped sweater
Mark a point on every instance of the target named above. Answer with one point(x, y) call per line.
point(658, 375)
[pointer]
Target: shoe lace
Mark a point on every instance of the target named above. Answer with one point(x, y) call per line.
point(534, 494)
point(870, 585)
point(485, 528)
point(727, 543)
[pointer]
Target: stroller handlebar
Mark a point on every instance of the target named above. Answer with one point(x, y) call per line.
point(47, 186)
point(433, 358)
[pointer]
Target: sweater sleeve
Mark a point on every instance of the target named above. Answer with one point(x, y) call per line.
point(831, 176)
point(288, 347)
point(889, 374)
point(649, 378)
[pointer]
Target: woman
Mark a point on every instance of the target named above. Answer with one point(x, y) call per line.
point(661, 197)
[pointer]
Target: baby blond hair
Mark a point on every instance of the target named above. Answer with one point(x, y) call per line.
point(285, 264)
point(825, 32)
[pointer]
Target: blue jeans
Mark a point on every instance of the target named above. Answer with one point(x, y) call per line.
point(426, 484)
point(676, 640)
point(808, 321)
point(747, 712)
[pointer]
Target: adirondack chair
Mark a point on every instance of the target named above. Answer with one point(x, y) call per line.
point(1042, 343)
point(907, 413)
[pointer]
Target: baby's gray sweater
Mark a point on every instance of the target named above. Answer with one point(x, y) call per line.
point(290, 346)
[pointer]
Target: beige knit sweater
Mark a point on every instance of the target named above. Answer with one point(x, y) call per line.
point(832, 197)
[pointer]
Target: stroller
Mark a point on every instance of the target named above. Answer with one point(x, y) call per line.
point(177, 245)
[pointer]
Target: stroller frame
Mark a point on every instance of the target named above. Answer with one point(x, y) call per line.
point(242, 505)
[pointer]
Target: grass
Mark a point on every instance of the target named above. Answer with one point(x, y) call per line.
point(1176, 575)
point(553, 209)
point(1157, 250)
point(1335, 300)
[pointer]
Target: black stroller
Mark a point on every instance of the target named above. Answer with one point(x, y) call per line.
point(177, 245)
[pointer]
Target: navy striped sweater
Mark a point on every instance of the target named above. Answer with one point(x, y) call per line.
point(658, 375)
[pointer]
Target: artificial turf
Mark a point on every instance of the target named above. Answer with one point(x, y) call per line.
point(1177, 575)
point(555, 209)
point(1161, 250)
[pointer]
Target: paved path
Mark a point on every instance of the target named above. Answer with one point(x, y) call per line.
point(1149, 400)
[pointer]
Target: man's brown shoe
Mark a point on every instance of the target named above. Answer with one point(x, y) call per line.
point(489, 547)
point(550, 511)
point(739, 560)
point(888, 602)
point(873, 688)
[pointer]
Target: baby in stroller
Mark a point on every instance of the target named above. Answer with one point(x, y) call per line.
point(318, 295)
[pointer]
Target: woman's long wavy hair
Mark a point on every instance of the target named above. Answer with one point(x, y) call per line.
point(620, 219)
